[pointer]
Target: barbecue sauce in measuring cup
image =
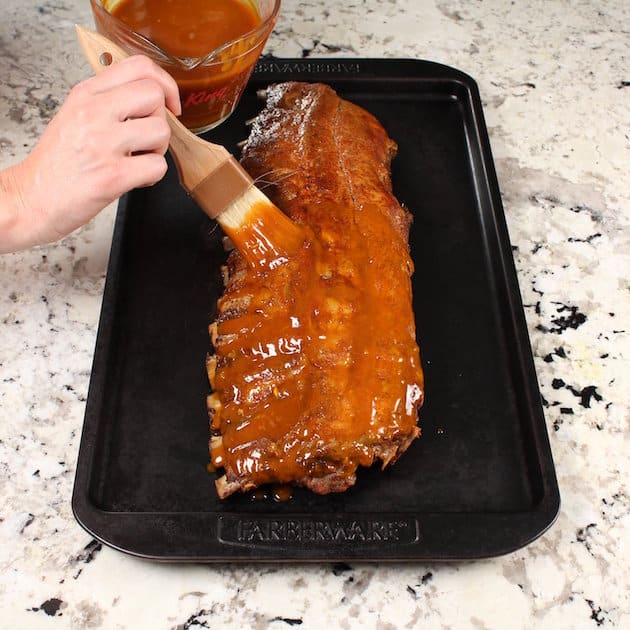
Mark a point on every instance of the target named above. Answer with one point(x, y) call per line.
point(210, 47)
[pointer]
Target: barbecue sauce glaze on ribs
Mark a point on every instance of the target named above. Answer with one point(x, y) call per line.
point(316, 370)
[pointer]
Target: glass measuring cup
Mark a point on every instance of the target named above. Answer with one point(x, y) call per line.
point(211, 85)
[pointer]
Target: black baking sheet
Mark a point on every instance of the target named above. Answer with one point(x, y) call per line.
point(479, 482)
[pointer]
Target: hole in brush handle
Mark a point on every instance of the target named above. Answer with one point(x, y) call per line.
point(106, 59)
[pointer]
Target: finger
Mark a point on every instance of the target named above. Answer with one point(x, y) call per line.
point(132, 69)
point(138, 171)
point(144, 135)
point(143, 97)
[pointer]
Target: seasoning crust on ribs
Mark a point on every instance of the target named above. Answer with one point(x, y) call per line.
point(316, 369)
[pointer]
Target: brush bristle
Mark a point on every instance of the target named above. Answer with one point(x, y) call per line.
point(263, 234)
point(235, 215)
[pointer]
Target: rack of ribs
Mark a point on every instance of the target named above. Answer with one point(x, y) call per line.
point(316, 370)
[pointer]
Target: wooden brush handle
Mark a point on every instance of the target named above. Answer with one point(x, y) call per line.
point(195, 158)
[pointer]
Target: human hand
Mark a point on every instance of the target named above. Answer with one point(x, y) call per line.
point(109, 136)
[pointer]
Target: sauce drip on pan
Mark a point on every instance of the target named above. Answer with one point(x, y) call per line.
point(281, 494)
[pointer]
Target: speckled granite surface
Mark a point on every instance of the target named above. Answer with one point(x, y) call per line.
point(555, 81)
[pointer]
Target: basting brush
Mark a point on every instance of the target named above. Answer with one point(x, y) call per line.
point(263, 234)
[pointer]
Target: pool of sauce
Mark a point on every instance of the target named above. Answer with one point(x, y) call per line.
point(188, 28)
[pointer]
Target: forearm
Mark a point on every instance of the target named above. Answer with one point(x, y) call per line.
point(17, 227)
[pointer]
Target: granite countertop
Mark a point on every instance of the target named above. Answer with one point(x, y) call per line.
point(555, 82)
